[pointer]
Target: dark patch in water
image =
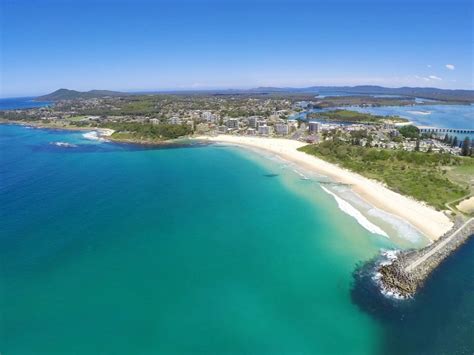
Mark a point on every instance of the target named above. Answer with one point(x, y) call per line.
point(108, 147)
point(159, 146)
point(366, 294)
point(438, 320)
point(270, 175)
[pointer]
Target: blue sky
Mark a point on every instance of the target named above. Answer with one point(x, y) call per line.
point(154, 45)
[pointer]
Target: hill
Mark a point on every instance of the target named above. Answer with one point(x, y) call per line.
point(66, 94)
point(421, 92)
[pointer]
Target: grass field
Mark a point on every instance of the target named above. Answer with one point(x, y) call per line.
point(76, 118)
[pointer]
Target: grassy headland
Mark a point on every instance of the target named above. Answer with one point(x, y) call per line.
point(146, 132)
point(423, 176)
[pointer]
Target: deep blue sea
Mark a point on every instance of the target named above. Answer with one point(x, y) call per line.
point(21, 103)
point(120, 249)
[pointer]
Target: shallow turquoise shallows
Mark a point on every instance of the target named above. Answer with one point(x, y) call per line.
point(117, 249)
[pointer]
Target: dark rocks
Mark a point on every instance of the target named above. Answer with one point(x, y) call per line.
point(411, 268)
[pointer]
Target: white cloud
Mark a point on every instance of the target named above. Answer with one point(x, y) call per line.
point(434, 77)
point(450, 66)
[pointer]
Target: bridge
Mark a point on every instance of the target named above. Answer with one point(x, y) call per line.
point(443, 131)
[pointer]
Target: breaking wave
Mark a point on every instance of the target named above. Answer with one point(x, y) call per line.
point(64, 144)
point(94, 136)
point(353, 212)
point(423, 113)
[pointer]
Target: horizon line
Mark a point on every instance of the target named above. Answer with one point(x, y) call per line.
point(228, 88)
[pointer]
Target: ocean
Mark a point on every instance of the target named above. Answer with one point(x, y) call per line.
point(19, 103)
point(122, 249)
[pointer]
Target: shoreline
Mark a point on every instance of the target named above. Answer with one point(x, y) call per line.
point(104, 133)
point(431, 223)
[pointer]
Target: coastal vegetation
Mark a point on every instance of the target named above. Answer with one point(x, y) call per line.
point(363, 101)
point(353, 117)
point(459, 96)
point(421, 175)
point(145, 132)
point(409, 131)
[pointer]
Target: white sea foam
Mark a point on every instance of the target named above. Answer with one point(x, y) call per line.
point(403, 228)
point(94, 136)
point(303, 176)
point(423, 113)
point(360, 218)
point(388, 257)
point(64, 144)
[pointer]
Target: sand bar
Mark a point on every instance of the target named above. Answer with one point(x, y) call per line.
point(426, 219)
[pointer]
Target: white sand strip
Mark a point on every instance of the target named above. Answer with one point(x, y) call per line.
point(426, 219)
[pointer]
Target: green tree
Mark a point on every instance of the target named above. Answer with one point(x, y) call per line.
point(368, 144)
point(409, 131)
point(455, 142)
point(465, 147)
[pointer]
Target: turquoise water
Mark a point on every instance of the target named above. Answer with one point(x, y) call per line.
point(118, 249)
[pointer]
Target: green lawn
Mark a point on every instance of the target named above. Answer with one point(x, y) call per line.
point(76, 118)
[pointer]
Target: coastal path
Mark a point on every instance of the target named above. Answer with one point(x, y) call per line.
point(436, 249)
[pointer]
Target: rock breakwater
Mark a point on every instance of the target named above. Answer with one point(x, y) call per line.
point(408, 271)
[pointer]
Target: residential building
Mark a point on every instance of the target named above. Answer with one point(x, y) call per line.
point(209, 116)
point(232, 123)
point(264, 130)
point(261, 123)
point(282, 129)
point(253, 121)
point(222, 129)
point(174, 120)
point(314, 127)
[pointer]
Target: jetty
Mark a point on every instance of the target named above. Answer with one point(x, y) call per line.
point(410, 269)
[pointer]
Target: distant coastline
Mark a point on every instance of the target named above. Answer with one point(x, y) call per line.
point(22, 103)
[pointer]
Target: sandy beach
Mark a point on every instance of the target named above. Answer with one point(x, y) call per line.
point(427, 220)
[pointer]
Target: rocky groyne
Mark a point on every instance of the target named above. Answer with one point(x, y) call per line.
point(407, 272)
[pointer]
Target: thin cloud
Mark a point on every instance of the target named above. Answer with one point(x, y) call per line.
point(434, 77)
point(450, 66)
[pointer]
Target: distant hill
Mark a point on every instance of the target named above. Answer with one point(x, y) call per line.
point(66, 94)
point(422, 92)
